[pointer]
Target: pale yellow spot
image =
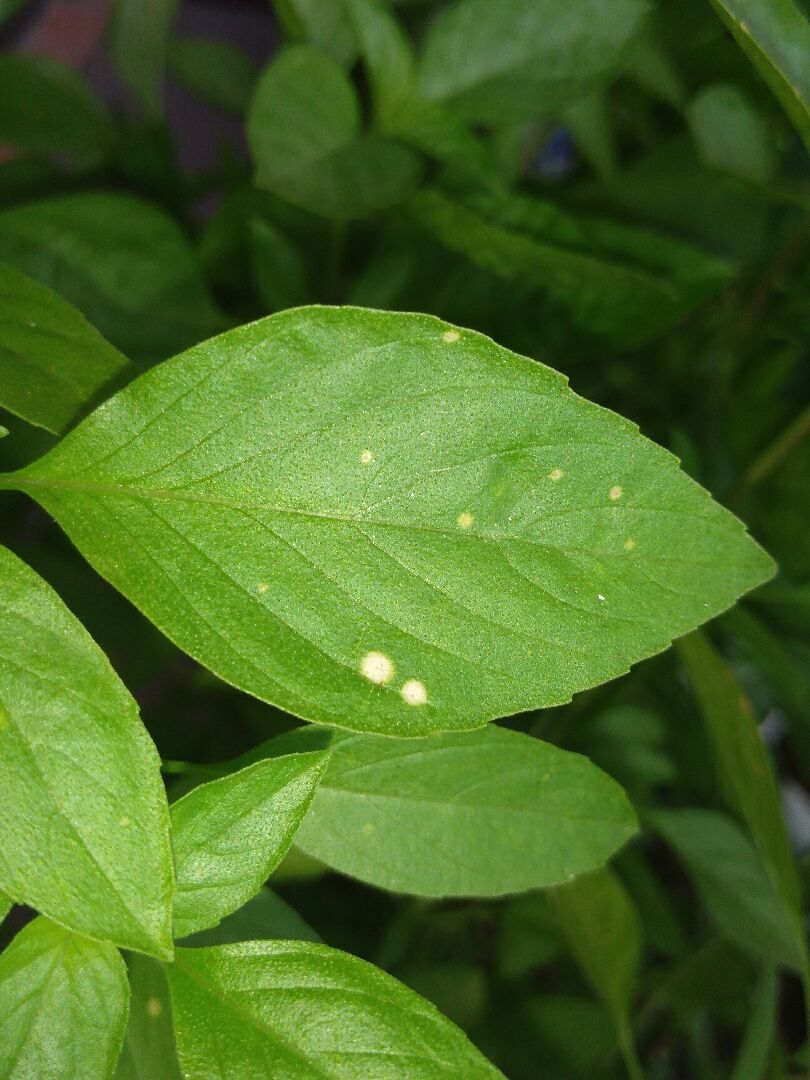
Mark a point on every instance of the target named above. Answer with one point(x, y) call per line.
point(262, 586)
point(153, 1008)
point(615, 492)
point(368, 828)
point(366, 457)
point(555, 474)
point(377, 668)
point(629, 544)
point(464, 520)
point(124, 822)
point(413, 692)
point(450, 336)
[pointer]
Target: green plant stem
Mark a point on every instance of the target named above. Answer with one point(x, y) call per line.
point(773, 455)
point(627, 1046)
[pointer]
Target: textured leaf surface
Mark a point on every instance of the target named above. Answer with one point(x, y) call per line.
point(519, 58)
point(124, 264)
point(300, 1011)
point(732, 882)
point(148, 1052)
point(83, 817)
point(63, 1006)
point(389, 524)
point(229, 835)
point(775, 35)
point(305, 135)
point(52, 361)
point(483, 813)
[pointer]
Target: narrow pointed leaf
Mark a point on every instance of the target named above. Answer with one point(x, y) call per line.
point(52, 361)
point(230, 834)
point(63, 1006)
point(389, 524)
point(299, 1010)
point(480, 814)
point(139, 42)
point(83, 816)
point(148, 1052)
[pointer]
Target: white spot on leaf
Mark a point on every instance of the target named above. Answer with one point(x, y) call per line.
point(450, 336)
point(124, 822)
point(262, 586)
point(464, 520)
point(556, 474)
point(153, 1007)
point(629, 544)
point(377, 668)
point(413, 692)
point(599, 596)
point(366, 457)
point(615, 492)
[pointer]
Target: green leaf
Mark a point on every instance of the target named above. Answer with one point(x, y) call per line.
point(304, 130)
point(10, 8)
point(732, 882)
point(322, 23)
point(746, 775)
point(296, 1009)
point(489, 812)
point(388, 524)
point(603, 929)
point(775, 36)
point(52, 361)
point(752, 1061)
point(615, 281)
point(49, 109)
point(148, 1052)
point(730, 133)
point(122, 262)
point(139, 43)
point(518, 59)
point(278, 267)
point(215, 71)
point(230, 834)
point(63, 1006)
point(6, 904)
point(388, 56)
point(84, 819)
point(265, 915)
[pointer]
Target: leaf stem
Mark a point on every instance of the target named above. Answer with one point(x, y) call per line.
point(627, 1046)
point(773, 455)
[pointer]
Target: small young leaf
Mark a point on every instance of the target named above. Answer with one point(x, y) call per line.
point(322, 23)
point(730, 133)
point(296, 1009)
point(139, 43)
point(48, 109)
point(52, 361)
point(304, 133)
point(517, 59)
point(83, 817)
point(264, 916)
point(215, 71)
point(63, 1006)
point(124, 264)
point(732, 883)
point(230, 834)
point(149, 1052)
point(480, 814)
point(387, 54)
point(775, 35)
point(388, 524)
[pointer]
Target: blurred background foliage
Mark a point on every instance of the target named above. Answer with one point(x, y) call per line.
point(625, 198)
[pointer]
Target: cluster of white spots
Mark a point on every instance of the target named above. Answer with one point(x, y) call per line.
point(599, 596)
point(377, 668)
point(450, 336)
point(556, 474)
point(615, 492)
point(124, 822)
point(629, 543)
point(465, 520)
point(262, 586)
point(413, 692)
point(153, 1007)
point(366, 457)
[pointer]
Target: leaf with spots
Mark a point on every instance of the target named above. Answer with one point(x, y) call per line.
point(148, 1052)
point(230, 834)
point(297, 1009)
point(476, 814)
point(83, 817)
point(380, 522)
point(63, 1006)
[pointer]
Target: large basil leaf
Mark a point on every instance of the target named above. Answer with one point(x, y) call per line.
point(389, 524)
point(483, 813)
point(297, 1009)
point(63, 1006)
point(83, 816)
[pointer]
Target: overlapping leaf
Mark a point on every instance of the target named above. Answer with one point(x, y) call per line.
point(389, 524)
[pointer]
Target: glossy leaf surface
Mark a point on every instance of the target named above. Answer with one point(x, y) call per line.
point(389, 524)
